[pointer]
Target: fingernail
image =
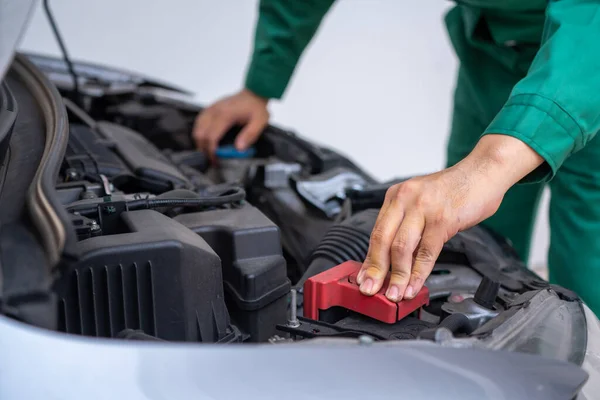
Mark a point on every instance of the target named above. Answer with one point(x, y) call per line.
point(409, 292)
point(240, 145)
point(392, 293)
point(360, 276)
point(367, 286)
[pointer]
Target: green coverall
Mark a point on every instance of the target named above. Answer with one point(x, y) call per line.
point(529, 69)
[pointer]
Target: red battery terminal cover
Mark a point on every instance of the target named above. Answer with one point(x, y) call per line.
point(337, 287)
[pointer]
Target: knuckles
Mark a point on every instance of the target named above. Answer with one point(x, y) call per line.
point(402, 191)
point(215, 110)
point(378, 237)
point(398, 274)
point(410, 186)
point(399, 246)
point(425, 202)
point(417, 279)
point(425, 255)
point(407, 189)
point(391, 193)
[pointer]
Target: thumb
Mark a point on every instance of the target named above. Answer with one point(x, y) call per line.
point(250, 133)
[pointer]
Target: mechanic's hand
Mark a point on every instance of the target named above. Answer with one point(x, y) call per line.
point(419, 215)
point(243, 108)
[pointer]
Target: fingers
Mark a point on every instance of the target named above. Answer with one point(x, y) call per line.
point(244, 108)
point(426, 255)
point(377, 262)
point(216, 130)
point(250, 132)
point(402, 250)
point(200, 132)
point(381, 217)
point(417, 218)
point(209, 128)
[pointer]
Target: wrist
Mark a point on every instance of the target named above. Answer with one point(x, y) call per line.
point(503, 160)
point(255, 96)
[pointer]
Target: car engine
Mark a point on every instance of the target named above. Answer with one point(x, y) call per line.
point(171, 246)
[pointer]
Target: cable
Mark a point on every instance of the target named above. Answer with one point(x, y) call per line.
point(233, 195)
point(63, 49)
point(226, 198)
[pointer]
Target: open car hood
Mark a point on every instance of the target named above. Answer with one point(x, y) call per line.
point(14, 17)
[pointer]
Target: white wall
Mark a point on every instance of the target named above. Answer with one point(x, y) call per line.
point(379, 71)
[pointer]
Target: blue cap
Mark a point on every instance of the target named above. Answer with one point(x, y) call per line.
point(232, 152)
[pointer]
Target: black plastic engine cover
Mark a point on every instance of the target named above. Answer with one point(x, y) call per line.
point(254, 269)
point(144, 159)
point(88, 152)
point(160, 278)
point(122, 155)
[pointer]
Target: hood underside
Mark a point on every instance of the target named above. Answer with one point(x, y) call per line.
point(14, 17)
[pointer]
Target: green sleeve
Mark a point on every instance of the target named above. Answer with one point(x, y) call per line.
point(284, 29)
point(555, 109)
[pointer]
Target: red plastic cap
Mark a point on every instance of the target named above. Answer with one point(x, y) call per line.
point(337, 287)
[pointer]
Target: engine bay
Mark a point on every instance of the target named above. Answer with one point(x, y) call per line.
point(174, 247)
point(129, 258)
point(169, 246)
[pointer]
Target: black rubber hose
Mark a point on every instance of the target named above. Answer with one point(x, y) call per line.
point(179, 194)
point(455, 323)
point(232, 196)
point(345, 241)
point(317, 266)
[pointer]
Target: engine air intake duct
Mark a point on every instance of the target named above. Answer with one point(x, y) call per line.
point(346, 241)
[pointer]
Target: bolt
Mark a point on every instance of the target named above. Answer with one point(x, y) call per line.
point(94, 226)
point(293, 321)
point(72, 174)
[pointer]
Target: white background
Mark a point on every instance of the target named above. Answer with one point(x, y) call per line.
point(376, 83)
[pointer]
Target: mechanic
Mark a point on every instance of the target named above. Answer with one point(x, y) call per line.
point(526, 111)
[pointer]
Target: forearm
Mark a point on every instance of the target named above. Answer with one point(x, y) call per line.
point(283, 30)
point(554, 109)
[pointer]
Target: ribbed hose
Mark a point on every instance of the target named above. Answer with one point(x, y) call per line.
point(348, 240)
point(343, 243)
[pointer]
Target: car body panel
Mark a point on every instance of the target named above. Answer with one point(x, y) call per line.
point(41, 364)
